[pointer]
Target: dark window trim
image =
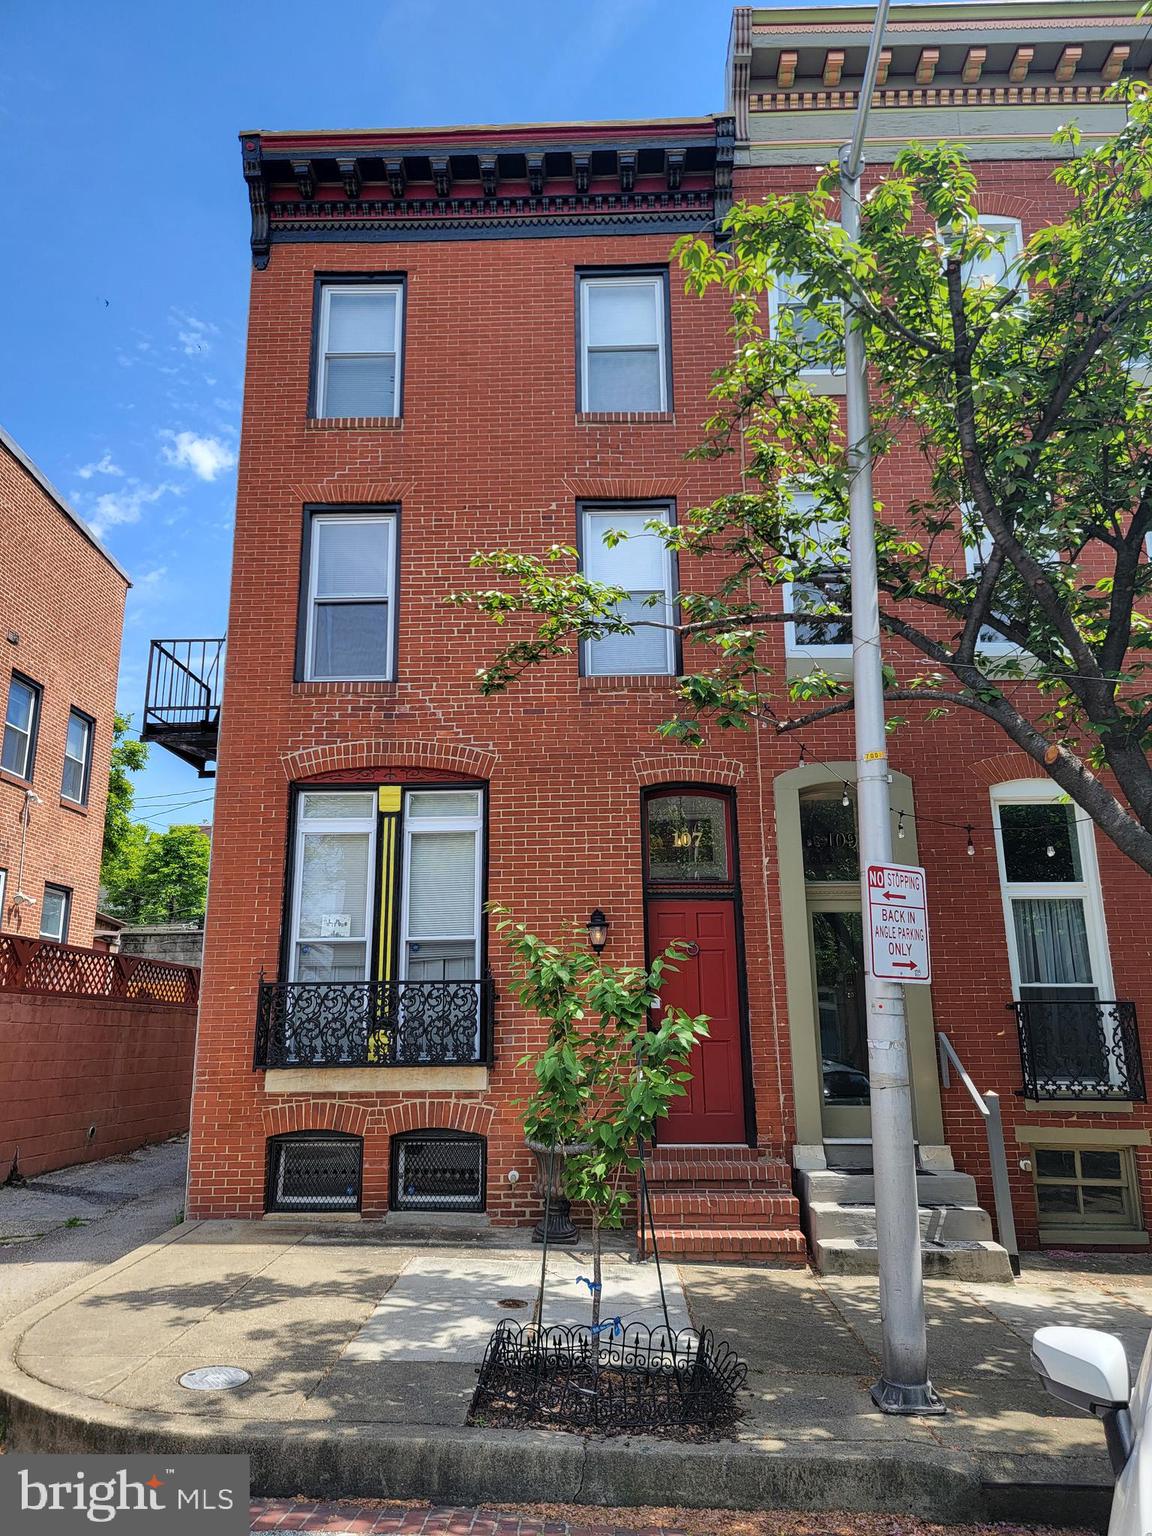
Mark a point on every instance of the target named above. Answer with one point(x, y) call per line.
point(34, 731)
point(322, 280)
point(65, 891)
point(275, 1142)
point(643, 269)
point(643, 504)
point(437, 1134)
point(704, 888)
point(313, 510)
point(86, 783)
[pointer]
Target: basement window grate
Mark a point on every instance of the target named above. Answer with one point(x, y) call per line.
point(314, 1172)
point(438, 1171)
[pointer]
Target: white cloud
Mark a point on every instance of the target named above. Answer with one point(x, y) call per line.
point(193, 334)
point(102, 466)
point(111, 509)
point(206, 457)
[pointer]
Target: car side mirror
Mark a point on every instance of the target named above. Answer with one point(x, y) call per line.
point(1089, 1371)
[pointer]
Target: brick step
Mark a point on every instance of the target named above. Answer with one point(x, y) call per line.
point(731, 1244)
point(693, 1173)
point(718, 1207)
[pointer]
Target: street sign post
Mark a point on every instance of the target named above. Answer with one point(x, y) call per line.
point(898, 923)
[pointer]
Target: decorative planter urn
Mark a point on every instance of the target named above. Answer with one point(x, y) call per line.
point(560, 1228)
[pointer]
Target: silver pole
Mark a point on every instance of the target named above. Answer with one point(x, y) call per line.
point(903, 1386)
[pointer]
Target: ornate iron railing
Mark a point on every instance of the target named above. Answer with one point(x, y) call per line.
point(374, 1023)
point(39, 965)
point(1080, 1049)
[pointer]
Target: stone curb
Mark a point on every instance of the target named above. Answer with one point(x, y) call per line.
point(473, 1466)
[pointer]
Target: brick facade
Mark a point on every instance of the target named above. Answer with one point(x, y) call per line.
point(61, 616)
point(491, 451)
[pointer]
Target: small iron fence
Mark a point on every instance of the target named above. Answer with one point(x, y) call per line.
point(39, 965)
point(639, 1379)
point(374, 1023)
point(1080, 1048)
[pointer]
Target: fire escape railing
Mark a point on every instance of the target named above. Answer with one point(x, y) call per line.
point(182, 699)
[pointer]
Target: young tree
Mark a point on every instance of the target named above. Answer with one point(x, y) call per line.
point(1025, 384)
point(128, 757)
point(163, 876)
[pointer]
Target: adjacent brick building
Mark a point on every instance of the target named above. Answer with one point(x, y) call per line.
point(469, 338)
point(61, 616)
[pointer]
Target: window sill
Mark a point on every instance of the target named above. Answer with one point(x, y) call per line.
point(354, 423)
point(825, 383)
point(1079, 1106)
point(631, 418)
point(341, 688)
point(836, 664)
point(14, 779)
point(627, 682)
point(375, 1079)
point(1094, 1237)
point(71, 805)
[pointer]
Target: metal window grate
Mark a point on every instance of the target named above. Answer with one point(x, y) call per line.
point(314, 1173)
point(438, 1171)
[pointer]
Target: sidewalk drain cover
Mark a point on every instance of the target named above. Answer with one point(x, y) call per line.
point(214, 1378)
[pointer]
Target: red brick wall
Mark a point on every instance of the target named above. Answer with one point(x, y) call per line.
point(490, 453)
point(71, 1064)
point(65, 601)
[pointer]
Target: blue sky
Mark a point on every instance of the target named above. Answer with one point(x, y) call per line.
point(124, 259)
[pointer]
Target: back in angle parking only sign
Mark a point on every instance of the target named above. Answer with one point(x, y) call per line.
point(898, 923)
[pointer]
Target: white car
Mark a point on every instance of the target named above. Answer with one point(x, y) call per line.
point(1089, 1370)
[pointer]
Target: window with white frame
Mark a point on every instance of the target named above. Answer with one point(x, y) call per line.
point(55, 911)
point(642, 564)
point(358, 349)
point(978, 546)
point(1086, 1187)
point(333, 907)
point(786, 302)
point(77, 758)
point(993, 266)
point(21, 720)
point(1054, 923)
point(350, 620)
point(829, 585)
point(623, 342)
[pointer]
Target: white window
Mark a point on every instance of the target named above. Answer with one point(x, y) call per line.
point(358, 355)
point(20, 722)
point(993, 266)
point(351, 590)
point(441, 886)
point(1054, 922)
point(77, 758)
point(333, 907)
point(624, 349)
point(978, 546)
point(786, 301)
point(55, 912)
point(830, 586)
point(641, 563)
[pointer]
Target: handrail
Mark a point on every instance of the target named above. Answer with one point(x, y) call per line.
point(988, 1104)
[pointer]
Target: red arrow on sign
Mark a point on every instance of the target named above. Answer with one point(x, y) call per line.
point(905, 901)
point(905, 965)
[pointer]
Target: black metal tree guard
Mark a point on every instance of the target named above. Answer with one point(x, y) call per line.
point(612, 1378)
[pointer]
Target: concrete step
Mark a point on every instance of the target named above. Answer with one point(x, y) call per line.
point(962, 1223)
point(733, 1244)
point(851, 1188)
point(721, 1206)
point(973, 1260)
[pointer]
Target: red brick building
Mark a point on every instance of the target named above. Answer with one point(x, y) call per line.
point(469, 338)
point(61, 616)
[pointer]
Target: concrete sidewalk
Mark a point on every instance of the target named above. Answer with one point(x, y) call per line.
point(345, 1401)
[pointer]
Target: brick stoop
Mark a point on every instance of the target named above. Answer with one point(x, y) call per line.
point(722, 1203)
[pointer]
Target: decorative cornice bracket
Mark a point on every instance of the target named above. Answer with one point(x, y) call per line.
point(302, 170)
point(260, 239)
point(349, 168)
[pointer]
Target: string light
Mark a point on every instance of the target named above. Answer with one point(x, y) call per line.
point(1050, 851)
point(900, 824)
point(845, 798)
point(971, 844)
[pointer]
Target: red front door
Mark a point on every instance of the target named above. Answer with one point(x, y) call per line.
point(712, 1111)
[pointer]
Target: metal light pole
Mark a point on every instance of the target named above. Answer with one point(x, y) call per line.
point(903, 1386)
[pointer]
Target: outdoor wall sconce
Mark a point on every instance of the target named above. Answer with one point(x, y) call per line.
point(598, 930)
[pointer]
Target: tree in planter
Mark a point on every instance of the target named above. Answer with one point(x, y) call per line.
point(1016, 586)
point(605, 1076)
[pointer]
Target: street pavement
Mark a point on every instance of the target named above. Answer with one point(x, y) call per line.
point(60, 1227)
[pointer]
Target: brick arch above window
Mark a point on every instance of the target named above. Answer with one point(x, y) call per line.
point(701, 768)
point(348, 491)
point(429, 1114)
point(315, 1115)
point(329, 757)
point(1005, 767)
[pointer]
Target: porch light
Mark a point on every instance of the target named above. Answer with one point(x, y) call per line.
point(598, 930)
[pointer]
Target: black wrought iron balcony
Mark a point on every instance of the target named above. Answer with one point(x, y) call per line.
point(1080, 1049)
point(182, 700)
point(375, 1023)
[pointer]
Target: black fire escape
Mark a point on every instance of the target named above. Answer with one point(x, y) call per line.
point(182, 700)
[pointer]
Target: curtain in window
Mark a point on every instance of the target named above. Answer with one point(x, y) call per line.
point(1052, 942)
